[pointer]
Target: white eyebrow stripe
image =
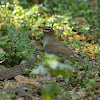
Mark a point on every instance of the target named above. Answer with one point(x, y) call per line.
point(49, 28)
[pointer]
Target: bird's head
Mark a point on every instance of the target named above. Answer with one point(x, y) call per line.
point(47, 30)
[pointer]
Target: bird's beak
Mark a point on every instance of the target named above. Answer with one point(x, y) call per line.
point(41, 27)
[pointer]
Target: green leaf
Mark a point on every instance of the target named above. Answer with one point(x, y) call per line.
point(53, 64)
point(66, 66)
point(67, 80)
point(12, 31)
point(60, 31)
point(60, 72)
point(74, 95)
point(70, 73)
point(28, 32)
point(39, 70)
point(50, 90)
point(58, 19)
point(74, 38)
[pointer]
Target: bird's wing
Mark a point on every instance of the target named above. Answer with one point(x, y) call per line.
point(59, 49)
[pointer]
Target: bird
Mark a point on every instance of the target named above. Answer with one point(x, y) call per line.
point(54, 46)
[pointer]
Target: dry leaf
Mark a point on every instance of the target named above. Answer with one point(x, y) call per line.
point(20, 78)
point(9, 99)
point(2, 51)
point(80, 93)
point(80, 38)
point(1, 61)
point(20, 98)
point(38, 57)
point(80, 20)
point(33, 83)
point(90, 98)
point(75, 89)
point(10, 85)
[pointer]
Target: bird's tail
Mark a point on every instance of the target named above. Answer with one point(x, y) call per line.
point(87, 63)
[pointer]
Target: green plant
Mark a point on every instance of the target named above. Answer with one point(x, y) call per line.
point(50, 64)
point(50, 90)
point(15, 39)
point(54, 67)
point(4, 96)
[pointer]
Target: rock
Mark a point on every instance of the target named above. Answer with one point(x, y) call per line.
point(2, 67)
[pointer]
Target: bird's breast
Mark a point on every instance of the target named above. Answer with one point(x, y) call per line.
point(46, 39)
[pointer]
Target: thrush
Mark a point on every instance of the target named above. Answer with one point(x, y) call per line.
point(53, 46)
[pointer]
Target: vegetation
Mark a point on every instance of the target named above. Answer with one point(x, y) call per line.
point(76, 23)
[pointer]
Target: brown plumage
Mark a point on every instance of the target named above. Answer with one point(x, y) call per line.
point(54, 46)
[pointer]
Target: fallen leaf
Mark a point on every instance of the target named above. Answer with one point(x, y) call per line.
point(20, 98)
point(33, 83)
point(20, 78)
point(2, 52)
point(90, 98)
point(80, 93)
point(80, 38)
point(80, 20)
point(1, 61)
point(10, 85)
